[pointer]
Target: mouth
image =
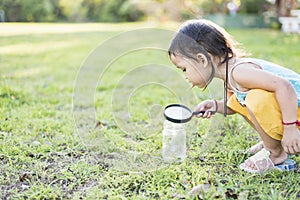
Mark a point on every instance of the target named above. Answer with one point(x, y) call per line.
point(192, 85)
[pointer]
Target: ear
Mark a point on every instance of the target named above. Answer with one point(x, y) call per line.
point(202, 59)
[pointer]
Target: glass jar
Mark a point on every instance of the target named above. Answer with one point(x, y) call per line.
point(174, 141)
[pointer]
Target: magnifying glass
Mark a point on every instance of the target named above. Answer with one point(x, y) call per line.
point(178, 113)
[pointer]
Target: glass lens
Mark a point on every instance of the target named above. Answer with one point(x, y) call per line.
point(178, 112)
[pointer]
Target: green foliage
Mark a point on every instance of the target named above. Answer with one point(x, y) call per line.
point(213, 7)
point(72, 10)
point(255, 6)
point(75, 11)
point(111, 11)
point(27, 11)
point(245, 6)
point(115, 10)
point(43, 157)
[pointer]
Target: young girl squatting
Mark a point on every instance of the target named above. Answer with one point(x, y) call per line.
point(266, 94)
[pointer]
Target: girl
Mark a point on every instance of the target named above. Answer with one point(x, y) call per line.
point(266, 94)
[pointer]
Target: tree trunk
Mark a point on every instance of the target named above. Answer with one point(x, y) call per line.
point(284, 7)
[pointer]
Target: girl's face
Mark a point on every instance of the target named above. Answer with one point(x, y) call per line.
point(197, 72)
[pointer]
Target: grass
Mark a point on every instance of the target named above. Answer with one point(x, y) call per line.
point(43, 154)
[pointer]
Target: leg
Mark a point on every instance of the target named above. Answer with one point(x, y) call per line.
point(277, 155)
point(242, 110)
point(263, 114)
point(257, 147)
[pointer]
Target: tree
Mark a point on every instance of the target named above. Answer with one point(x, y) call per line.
point(284, 7)
point(111, 10)
point(73, 10)
point(29, 10)
point(163, 10)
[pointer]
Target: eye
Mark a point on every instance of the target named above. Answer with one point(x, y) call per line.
point(184, 70)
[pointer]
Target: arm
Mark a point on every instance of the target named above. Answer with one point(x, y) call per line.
point(221, 105)
point(213, 105)
point(249, 76)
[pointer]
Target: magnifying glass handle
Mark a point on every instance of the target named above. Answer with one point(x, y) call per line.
point(202, 112)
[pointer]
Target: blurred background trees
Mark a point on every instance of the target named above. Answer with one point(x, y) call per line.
point(135, 10)
point(70, 10)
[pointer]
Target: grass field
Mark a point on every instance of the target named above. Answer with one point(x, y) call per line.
point(55, 147)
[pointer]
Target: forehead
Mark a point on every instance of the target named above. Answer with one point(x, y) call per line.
point(179, 59)
point(176, 60)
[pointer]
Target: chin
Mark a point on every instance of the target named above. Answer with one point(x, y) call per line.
point(200, 85)
point(194, 85)
point(197, 85)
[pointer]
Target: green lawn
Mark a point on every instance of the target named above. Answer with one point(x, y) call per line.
point(53, 146)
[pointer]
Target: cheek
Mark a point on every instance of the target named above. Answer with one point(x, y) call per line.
point(197, 78)
point(195, 74)
point(193, 78)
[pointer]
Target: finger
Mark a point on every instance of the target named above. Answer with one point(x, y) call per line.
point(202, 114)
point(209, 114)
point(205, 114)
point(298, 148)
point(198, 112)
point(199, 115)
point(291, 150)
point(295, 148)
point(285, 148)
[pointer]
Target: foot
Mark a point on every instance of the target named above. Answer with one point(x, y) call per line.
point(256, 148)
point(277, 157)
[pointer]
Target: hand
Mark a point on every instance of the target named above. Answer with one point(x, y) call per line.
point(291, 139)
point(207, 106)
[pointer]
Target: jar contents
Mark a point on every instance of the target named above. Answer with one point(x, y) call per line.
point(174, 142)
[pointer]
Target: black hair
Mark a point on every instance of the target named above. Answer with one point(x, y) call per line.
point(209, 37)
point(203, 36)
